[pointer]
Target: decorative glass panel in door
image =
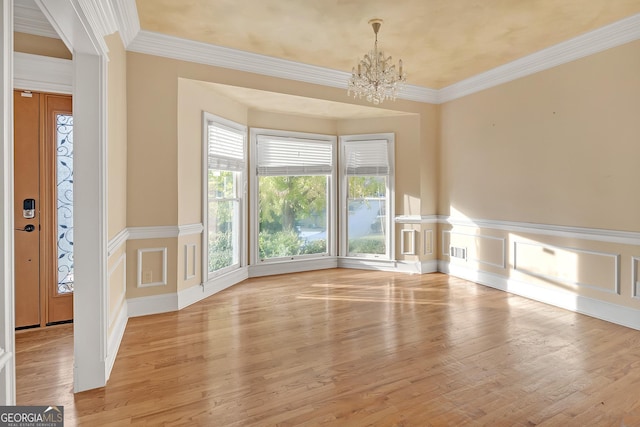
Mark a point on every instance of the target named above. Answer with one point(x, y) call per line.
point(64, 190)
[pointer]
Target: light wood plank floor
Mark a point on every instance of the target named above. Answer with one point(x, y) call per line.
point(350, 348)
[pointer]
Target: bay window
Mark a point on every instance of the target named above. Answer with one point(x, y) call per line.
point(366, 165)
point(223, 188)
point(293, 207)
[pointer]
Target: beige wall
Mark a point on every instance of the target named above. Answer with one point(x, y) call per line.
point(558, 147)
point(194, 98)
point(38, 45)
point(117, 136)
point(152, 178)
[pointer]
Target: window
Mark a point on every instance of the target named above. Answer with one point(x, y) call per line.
point(293, 198)
point(223, 188)
point(367, 192)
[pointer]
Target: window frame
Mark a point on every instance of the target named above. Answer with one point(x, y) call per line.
point(254, 215)
point(241, 193)
point(344, 140)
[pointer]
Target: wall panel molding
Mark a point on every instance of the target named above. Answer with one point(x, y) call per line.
point(635, 278)
point(427, 242)
point(141, 272)
point(190, 256)
point(583, 233)
point(157, 232)
point(190, 229)
point(164, 231)
point(117, 241)
point(416, 219)
point(614, 278)
point(408, 239)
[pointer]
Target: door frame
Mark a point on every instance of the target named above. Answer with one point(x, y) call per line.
point(76, 25)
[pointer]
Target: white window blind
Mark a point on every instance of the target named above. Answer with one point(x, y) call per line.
point(292, 156)
point(226, 147)
point(370, 158)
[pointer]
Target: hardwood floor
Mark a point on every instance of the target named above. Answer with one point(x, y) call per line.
point(350, 348)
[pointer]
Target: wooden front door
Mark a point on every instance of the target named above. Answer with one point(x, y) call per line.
point(43, 208)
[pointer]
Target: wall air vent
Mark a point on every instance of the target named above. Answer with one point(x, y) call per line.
point(457, 252)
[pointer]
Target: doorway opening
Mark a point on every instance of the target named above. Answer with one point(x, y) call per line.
point(43, 191)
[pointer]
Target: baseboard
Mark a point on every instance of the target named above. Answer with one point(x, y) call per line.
point(191, 295)
point(115, 338)
point(297, 266)
point(603, 310)
point(374, 264)
point(430, 266)
point(152, 305)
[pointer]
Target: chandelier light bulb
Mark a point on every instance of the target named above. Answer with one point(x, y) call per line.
point(377, 78)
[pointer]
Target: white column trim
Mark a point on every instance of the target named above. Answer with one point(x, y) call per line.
point(7, 321)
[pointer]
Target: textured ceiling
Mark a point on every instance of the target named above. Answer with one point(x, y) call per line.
point(440, 41)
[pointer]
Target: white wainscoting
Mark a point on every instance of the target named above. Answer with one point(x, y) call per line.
point(121, 261)
point(610, 312)
point(472, 255)
point(115, 338)
point(117, 318)
point(191, 295)
point(566, 299)
point(153, 304)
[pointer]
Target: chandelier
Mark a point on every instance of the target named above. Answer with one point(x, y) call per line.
point(376, 78)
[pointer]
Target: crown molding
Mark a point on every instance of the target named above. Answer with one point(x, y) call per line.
point(100, 16)
point(607, 37)
point(610, 36)
point(30, 20)
point(202, 53)
point(126, 14)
